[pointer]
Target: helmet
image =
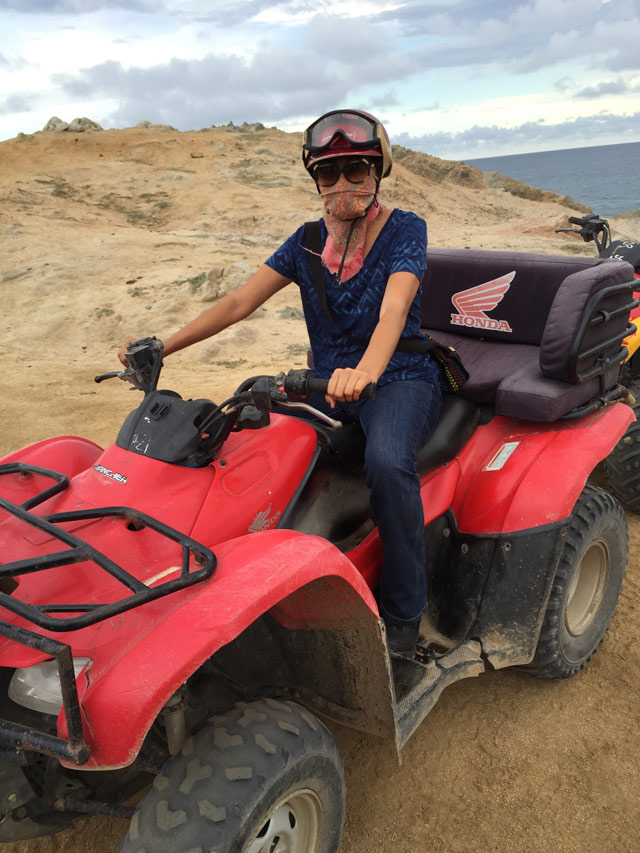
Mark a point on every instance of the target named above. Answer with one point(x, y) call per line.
point(342, 132)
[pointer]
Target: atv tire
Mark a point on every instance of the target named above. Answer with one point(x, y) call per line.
point(265, 776)
point(586, 587)
point(622, 465)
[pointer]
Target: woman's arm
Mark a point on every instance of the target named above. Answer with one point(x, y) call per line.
point(347, 383)
point(231, 308)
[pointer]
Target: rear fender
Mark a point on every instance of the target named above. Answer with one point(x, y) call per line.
point(308, 589)
point(517, 475)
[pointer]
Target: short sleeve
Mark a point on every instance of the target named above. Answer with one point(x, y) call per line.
point(409, 252)
point(285, 259)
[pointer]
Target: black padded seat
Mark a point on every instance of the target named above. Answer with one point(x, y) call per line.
point(487, 364)
point(458, 419)
point(534, 331)
point(527, 393)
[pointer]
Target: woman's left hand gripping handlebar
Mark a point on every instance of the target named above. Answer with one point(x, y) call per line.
point(346, 384)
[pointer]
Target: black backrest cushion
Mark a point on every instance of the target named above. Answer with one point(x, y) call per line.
point(566, 311)
point(514, 304)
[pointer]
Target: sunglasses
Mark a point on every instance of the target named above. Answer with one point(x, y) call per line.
point(356, 171)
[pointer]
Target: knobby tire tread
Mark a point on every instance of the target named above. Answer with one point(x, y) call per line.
point(210, 796)
point(593, 509)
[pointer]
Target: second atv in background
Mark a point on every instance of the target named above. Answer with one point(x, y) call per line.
point(622, 466)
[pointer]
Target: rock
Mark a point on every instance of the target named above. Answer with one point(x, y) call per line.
point(78, 125)
point(55, 124)
point(223, 280)
point(196, 155)
point(144, 124)
point(213, 287)
point(236, 275)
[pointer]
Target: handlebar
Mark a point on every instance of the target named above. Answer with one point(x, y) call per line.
point(264, 393)
point(592, 228)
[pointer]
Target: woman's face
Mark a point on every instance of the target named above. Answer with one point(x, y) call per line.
point(344, 197)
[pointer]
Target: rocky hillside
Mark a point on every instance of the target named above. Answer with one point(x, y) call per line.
point(108, 234)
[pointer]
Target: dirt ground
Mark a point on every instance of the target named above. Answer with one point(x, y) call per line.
point(120, 233)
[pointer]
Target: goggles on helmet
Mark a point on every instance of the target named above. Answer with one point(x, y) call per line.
point(342, 130)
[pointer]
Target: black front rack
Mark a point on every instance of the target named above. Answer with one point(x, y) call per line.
point(78, 551)
point(20, 737)
point(75, 749)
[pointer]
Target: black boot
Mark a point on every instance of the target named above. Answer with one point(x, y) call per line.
point(402, 638)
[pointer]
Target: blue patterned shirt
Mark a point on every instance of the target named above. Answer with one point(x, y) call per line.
point(401, 245)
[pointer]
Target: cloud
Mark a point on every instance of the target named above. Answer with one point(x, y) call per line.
point(15, 104)
point(529, 136)
point(386, 99)
point(213, 90)
point(522, 36)
point(564, 84)
point(275, 83)
point(607, 87)
point(78, 7)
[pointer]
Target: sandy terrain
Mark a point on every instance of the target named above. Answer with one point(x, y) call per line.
point(117, 233)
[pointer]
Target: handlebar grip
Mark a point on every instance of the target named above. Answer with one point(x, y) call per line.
point(368, 392)
point(574, 220)
point(316, 385)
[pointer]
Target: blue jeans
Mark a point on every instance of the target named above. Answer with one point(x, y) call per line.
point(396, 423)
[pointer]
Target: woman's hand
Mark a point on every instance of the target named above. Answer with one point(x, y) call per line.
point(346, 383)
point(123, 349)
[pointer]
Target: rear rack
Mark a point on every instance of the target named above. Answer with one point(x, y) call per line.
point(79, 551)
point(594, 314)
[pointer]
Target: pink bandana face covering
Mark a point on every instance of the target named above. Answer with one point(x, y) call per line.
point(346, 214)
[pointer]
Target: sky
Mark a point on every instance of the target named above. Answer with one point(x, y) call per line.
point(458, 79)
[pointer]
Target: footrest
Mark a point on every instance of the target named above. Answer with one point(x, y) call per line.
point(419, 682)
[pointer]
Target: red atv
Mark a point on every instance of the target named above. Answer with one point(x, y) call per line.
point(178, 607)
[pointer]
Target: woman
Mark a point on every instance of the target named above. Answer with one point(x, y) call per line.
point(359, 303)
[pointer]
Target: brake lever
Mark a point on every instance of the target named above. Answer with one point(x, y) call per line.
point(332, 422)
point(115, 374)
point(127, 375)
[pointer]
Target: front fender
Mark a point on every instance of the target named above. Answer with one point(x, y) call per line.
point(517, 475)
point(143, 656)
point(66, 453)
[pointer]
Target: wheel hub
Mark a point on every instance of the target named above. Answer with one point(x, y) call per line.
point(587, 588)
point(293, 826)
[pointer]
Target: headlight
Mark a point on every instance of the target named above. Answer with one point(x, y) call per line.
point(38, 687)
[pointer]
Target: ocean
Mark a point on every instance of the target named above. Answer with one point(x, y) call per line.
point(604, 177)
